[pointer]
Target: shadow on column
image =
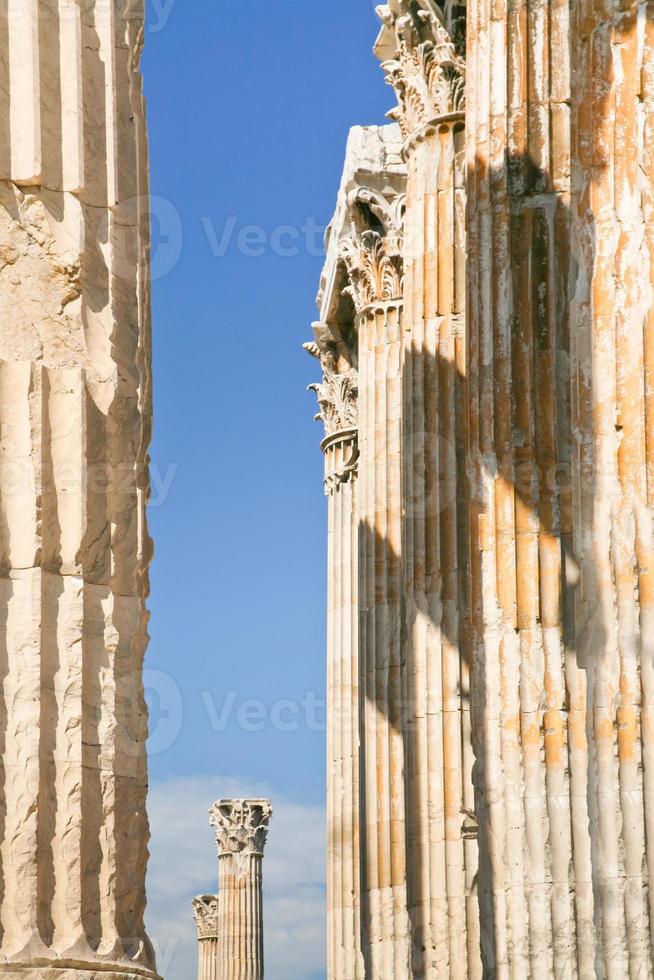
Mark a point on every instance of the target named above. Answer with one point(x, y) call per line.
point(513, 425)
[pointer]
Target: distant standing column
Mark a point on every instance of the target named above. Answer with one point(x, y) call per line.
point(241, 828)
point(205, 913)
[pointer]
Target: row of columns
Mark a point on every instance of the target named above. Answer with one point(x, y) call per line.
point(358, 342)
point(503, 502)
point(405, 273)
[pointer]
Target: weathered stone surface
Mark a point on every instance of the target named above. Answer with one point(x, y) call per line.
point(74, 551)
point(421, 47)
point(72, 973)
point(561, 299)
point(522, 641)
point(403, 265)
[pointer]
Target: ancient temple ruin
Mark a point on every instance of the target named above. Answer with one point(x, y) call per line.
point(230, 924)
point(486, 339)
point(486, 349)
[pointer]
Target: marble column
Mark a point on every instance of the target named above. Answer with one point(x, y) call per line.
point(421, 51)
point(362, 265)
point(205, 913)
point(75, 421)
point(531, 693)
point(374, 265)
point(561, 340)
point(337, 398)
point(611, 280)
point(241, 828)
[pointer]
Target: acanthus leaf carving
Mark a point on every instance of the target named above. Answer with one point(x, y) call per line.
point(337, 396)
point(205, 913)
point(337, 393)
point(374, 266)
point(427, 70)
point(363, 268)
point(241, 826)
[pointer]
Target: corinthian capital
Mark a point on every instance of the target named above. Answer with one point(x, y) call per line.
point(374, 267)
point(336, 393)
point(241, 826)
point(421, 47)
point(205, 913)
point(362, 266)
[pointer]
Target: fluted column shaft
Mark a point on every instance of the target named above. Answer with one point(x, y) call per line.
point(240, 917)
point(385, 919)
point(74, 429)
point(551, 680)
point(208, 959)
point(343, 758)
point(421, 48)
point(442, 850)
point(612, 366)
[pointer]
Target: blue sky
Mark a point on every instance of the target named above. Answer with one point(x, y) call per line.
point(249, 106)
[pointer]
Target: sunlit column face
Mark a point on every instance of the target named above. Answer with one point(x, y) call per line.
point(74, 549)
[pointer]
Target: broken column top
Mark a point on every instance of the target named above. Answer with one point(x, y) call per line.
point(241, 825)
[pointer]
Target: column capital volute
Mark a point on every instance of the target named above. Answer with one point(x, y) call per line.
point(205, 913)
point(241, 825)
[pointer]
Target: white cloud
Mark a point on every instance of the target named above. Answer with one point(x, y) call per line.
point(184, 864)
